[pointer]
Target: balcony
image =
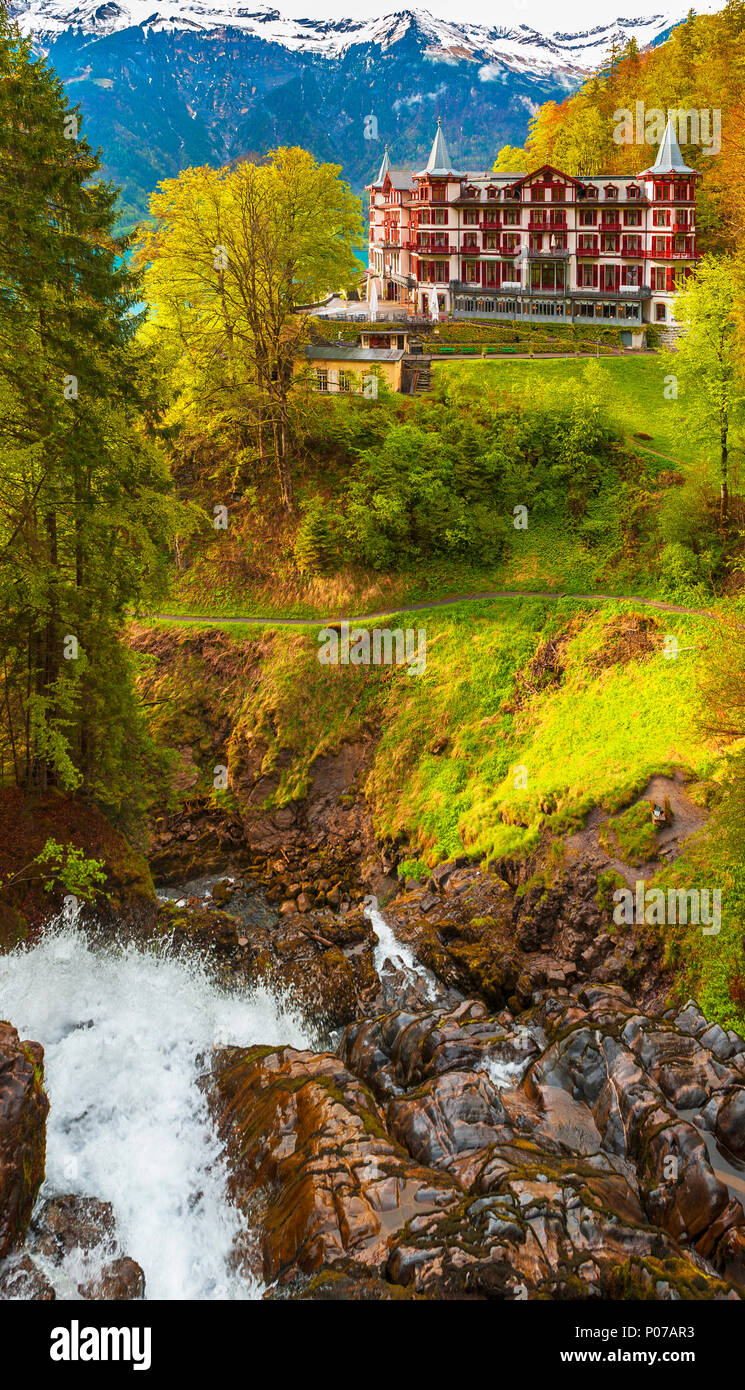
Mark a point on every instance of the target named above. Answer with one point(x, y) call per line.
point(551, 253)
point(424, 247)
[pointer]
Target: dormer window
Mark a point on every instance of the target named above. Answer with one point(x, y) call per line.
point(611, 191)
point(632, 190)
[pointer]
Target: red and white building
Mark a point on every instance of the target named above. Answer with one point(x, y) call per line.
point(540, 246)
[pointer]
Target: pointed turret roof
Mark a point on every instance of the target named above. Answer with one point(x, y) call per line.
point(385, 166)
point(669, 159)
point(439, 161)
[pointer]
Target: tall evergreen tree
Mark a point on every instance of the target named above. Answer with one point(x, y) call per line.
point(84, 513)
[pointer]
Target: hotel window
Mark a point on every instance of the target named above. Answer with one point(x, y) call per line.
point(323, 379)
point(632, 190)
point(588, 218)
point(660, 217)
point(611, 191)
point(660, 313)
point(344, 381)
point(633, 218)
point(470, 217)
point(511, 217)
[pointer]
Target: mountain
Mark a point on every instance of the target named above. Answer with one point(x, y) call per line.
point(190, 83)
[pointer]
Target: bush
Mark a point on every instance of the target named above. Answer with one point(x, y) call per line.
point(314, 544)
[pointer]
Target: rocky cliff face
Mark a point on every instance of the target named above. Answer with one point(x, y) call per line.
point(188, 84)
point(447, 1153)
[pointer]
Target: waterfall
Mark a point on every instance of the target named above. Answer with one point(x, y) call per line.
point(122, 1029)
point(389, 950)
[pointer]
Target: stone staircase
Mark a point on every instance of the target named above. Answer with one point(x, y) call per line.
point(420, 375)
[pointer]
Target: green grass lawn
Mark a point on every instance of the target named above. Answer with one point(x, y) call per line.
point(636, 399)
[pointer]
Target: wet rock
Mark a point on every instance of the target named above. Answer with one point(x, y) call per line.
point(345, 1282)
point(23, 1113)
point(545, 1220)
point(119, 1279)
point(323, 963)
point(305, 1134)
point(22, 1280)
point(404, 1048)
point(198, 839)
point(729, 1123)
point(447, 1118)
point(68, 1223)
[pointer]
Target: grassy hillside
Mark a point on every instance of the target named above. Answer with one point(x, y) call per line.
point(643, 523)
point(526, 717)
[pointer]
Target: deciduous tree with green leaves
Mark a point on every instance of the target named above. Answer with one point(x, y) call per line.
point(230, 256)
point(708, 359)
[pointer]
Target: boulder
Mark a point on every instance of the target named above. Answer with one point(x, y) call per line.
point(23, 1114)
point(118, 1279)
point(21, 1280)
point(70, 1222)
point(307, 1144)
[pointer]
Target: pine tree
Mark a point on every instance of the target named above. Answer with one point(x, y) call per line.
point(84, 517)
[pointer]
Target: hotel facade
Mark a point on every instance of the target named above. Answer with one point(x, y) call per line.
point(544, 246)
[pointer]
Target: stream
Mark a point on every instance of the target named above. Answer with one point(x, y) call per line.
point(123, 1031)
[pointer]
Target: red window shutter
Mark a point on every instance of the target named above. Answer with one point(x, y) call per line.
point(594, 277)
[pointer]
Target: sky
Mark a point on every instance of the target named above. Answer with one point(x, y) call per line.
point(546, 16)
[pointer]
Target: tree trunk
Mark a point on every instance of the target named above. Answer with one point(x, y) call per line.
point(724, 470)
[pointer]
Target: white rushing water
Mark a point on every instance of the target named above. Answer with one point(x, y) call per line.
point(122, 1030)
point(389, 950)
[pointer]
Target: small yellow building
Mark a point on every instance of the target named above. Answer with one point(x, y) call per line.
point(343, 367)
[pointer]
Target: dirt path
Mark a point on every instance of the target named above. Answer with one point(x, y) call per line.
point(431, 605)
point(687, 817)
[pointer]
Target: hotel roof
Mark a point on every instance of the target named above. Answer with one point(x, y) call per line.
point(352, 352)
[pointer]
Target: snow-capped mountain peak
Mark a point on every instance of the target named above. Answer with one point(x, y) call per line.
point(521, 45)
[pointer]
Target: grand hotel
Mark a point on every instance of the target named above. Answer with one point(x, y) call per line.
point(540, 246)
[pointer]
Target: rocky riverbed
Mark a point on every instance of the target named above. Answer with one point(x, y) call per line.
point(475, 1094)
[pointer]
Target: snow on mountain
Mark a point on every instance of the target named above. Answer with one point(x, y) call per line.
point(520, 47)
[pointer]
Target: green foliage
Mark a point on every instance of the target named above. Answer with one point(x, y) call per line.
point(708, 358)
point(64, 867)
point(314, 545)
point(630, 836)
point(449, 482)
point(85, 516)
